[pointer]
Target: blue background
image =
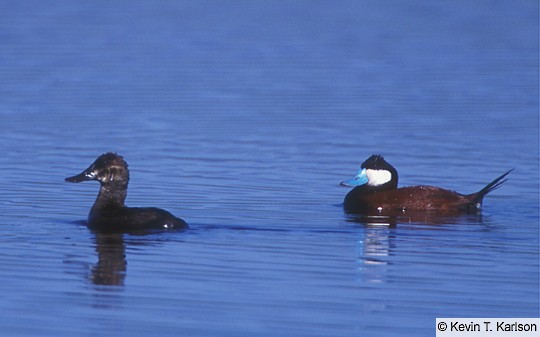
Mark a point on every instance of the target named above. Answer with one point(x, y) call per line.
point(242, 118)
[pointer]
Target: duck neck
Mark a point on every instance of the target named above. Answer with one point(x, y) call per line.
point(110, 197)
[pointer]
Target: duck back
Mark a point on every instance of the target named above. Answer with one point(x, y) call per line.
point(123, 219)
point(411, 198)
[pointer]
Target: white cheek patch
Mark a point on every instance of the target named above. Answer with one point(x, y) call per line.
point(378, 177)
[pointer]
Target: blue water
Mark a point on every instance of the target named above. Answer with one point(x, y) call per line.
point(242, 118)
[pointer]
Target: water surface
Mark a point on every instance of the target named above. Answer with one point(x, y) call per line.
point(242, 118)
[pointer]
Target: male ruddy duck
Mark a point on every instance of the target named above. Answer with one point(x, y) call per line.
point(109, 212)
point(375, 192)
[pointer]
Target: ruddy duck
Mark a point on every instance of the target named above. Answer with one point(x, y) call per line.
point(109, 212)
point(375, 192)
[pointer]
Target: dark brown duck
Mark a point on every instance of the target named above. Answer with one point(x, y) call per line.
point(109, 212)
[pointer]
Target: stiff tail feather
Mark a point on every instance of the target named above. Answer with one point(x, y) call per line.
point(495, 184)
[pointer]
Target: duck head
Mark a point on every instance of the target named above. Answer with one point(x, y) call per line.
point(109, 169)
point(375, 173)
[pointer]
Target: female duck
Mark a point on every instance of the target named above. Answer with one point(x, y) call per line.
point(109, 212)
point(375, 192)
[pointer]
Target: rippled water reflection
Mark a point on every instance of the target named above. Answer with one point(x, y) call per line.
point(242, 118)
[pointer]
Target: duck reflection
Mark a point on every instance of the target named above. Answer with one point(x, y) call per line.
point(421, 218)
point(375, 245)
point(378, 240)
point(112, 265)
